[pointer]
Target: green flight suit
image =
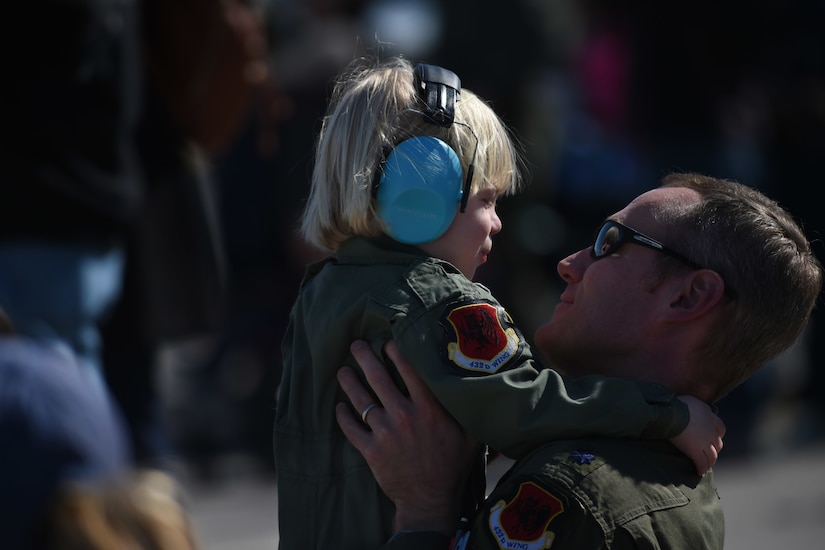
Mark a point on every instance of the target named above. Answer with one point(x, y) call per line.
point(593, 494)
point(469, 352)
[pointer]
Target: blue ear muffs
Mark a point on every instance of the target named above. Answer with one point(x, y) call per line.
point(420, 184)
point(420, 189)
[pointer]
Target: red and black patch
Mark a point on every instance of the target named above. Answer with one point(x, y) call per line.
point(482, 337)
point(523, 522)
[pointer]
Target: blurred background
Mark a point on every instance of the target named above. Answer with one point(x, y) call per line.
point(605, 96)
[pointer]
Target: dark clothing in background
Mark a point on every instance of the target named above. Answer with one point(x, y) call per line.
point(70, 101)
point(95, 156)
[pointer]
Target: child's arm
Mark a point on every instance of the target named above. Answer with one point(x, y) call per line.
point(473, 357)
point(522, 404)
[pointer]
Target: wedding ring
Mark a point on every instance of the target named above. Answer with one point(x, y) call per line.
point(366, 411)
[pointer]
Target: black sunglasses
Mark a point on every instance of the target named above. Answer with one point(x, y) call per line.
point(612, 235)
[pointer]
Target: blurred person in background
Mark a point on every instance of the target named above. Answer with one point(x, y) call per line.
point(68, 482)
point(55, 428)
point(140, 511)
point(108, 240)
point(205, 67)
point(72, 169)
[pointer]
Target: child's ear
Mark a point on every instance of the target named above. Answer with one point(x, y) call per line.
point(698, 293)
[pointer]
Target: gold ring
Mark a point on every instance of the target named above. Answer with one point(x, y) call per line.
point(366, 411)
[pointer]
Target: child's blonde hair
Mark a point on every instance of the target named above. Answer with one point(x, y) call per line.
point(373, 106)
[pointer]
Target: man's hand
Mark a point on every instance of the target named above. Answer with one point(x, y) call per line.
point(417, 452)
point(701, 440)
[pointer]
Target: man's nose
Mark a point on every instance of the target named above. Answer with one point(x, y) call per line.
point(572, 267)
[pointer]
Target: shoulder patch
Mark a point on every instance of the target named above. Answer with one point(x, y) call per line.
point(482, 338)
point(523, 522)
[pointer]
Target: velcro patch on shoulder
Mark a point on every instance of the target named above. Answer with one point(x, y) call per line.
point(482, 338)
point(523, 522)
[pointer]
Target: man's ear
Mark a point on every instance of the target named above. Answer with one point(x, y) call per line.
point(698, 292)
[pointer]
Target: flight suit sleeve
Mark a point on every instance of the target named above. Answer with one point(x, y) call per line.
point(479, 365)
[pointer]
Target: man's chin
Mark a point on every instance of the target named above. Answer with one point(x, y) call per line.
point(545, 338)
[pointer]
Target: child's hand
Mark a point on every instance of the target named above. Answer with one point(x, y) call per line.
point(701, 440)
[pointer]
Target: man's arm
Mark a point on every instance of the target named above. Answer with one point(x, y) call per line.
point(418, 453)
point(420, 457)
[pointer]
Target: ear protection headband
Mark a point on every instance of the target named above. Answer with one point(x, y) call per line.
point(419, 181)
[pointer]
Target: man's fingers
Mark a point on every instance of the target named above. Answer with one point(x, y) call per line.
point(374, 370)
point(355, 390)
point(353, 429)
point(418, 390)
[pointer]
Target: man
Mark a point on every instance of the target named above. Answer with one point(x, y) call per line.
point(733, 287)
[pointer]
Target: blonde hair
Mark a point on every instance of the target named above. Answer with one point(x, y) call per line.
point(374, 106)
point(141, 512)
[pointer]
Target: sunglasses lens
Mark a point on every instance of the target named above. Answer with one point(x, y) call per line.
point(607, 240)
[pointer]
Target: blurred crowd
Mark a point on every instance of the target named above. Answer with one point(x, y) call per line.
point(205, 114)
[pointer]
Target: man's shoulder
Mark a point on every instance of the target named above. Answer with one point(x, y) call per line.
point(616, 462)
point(592, 493)
point(618, 481)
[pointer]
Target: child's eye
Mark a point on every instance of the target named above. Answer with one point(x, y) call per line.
point(489, 197)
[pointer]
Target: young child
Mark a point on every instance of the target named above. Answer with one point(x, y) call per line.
point(408, 170)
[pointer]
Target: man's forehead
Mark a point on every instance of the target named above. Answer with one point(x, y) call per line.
point(644, 204)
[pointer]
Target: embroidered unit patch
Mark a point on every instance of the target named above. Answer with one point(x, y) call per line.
point(485, 339)
point(522, 523)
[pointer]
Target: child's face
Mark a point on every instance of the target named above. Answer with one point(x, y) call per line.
point(468, 241)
